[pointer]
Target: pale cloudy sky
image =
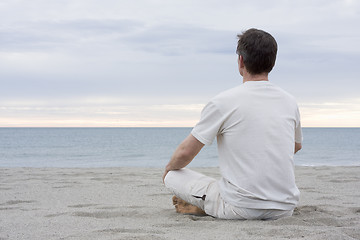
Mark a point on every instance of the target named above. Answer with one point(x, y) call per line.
point(119, 63)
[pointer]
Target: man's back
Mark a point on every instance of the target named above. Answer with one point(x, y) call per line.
point(256, 144)
point(257, 126)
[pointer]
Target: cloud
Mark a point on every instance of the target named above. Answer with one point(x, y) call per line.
point(343, 113)
point(179, 39)
point(96, 35)
point(159, 54)
point(109, 113)
point(317, 66)
point(118, 58)
point(63, 34)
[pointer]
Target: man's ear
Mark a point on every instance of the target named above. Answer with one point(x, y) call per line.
point(241, 65)
point(241, 61)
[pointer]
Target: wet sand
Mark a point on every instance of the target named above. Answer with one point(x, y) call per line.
point(132, 203)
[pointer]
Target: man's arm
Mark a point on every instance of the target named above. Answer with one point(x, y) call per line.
point(298, 146)
point(184, 154)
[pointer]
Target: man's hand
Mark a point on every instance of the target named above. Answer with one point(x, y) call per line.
point(184, 154)
point(298, 146)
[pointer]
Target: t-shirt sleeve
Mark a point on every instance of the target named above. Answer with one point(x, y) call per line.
point(209, 125)
point(298, 131)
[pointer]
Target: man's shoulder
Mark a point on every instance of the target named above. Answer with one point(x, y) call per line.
point(285, 93)
point(228, 94)
point(244, 93)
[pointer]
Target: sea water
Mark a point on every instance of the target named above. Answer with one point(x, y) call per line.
point(150, 147)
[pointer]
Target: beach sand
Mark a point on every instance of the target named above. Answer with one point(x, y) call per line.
point(132, 203)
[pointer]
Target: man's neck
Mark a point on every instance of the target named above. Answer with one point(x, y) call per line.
point(258, 77)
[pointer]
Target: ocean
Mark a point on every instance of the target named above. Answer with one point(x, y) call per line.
point(150, 147)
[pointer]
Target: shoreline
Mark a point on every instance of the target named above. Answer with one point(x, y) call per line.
point(132, 203)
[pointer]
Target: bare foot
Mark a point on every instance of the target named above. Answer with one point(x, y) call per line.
point(183, 207)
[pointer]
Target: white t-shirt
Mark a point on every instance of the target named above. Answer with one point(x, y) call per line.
point(256, 125)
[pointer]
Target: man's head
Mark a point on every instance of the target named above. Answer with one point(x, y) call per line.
point(258, 50)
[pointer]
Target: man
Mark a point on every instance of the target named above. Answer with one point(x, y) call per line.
point(258, 131)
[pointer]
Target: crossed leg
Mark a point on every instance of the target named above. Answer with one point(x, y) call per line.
point(186, 208)
point(190, 189)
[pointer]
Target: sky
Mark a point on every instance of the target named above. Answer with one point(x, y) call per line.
point(156, 63)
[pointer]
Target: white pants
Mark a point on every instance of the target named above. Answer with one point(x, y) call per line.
point(203, 192)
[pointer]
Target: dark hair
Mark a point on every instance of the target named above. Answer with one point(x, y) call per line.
point(258, 49)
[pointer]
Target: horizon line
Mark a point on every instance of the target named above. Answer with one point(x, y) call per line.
point(144, 127)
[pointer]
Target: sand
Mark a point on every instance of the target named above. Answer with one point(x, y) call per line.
point(132, 203)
